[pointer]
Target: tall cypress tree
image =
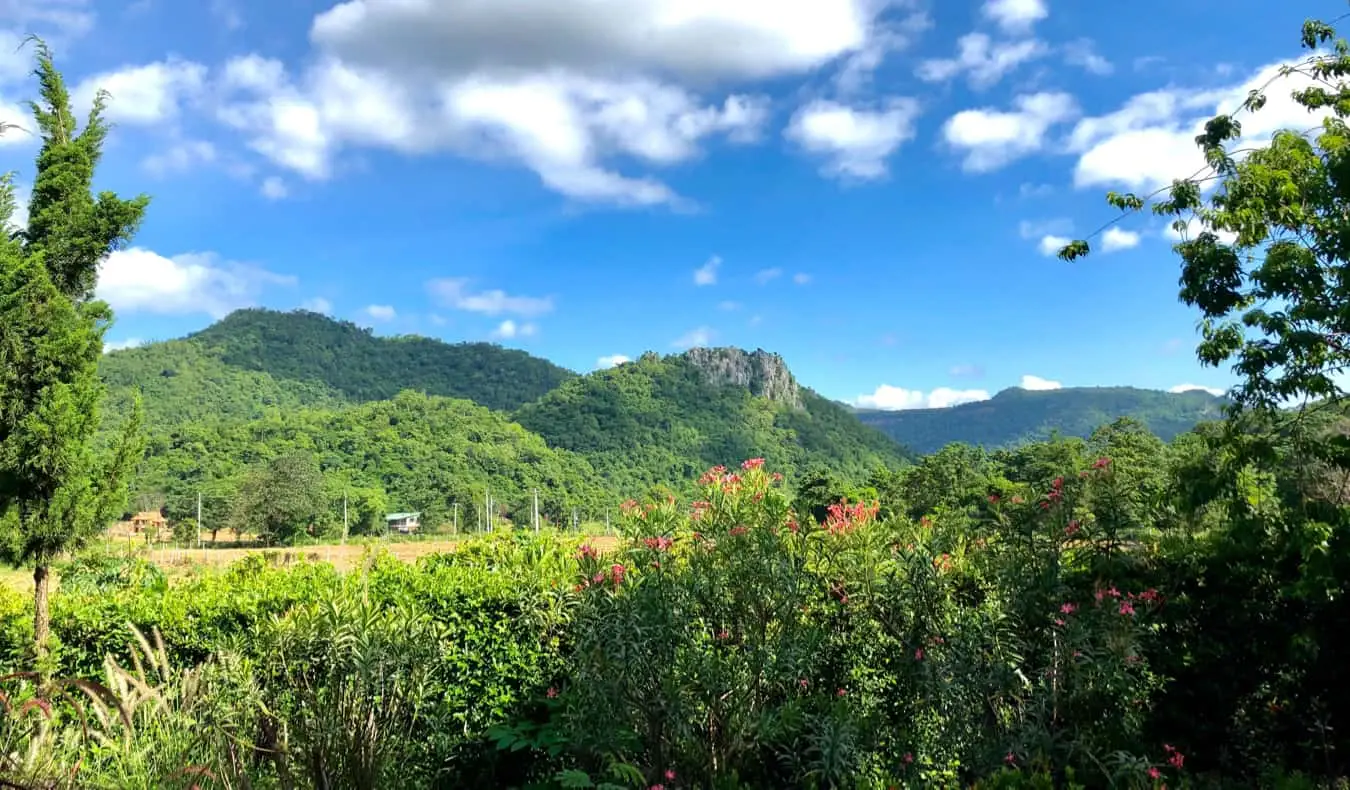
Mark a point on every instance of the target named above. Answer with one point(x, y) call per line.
point(56, 490)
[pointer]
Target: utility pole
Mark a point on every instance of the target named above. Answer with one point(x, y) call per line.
point(488, 506)
point(199, 519)
point(536, 510)
point(454, 530)
point(574, 520)
point(344, 518)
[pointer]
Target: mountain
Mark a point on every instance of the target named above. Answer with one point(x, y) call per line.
point(413, 452)
point(1015, 416)
point(340, 359)
point(666, 419)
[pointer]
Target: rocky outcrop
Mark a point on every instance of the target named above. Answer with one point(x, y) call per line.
point(766, 375)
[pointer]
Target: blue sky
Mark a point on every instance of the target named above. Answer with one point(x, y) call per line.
point(867, 187)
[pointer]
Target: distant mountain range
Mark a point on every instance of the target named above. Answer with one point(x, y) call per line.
point(262, 383)
point(1016, 416)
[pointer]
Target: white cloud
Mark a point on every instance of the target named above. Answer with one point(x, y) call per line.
point(694, 338)
point(766, 276)
point(611, 361)
point(229, 15)
point(1215, 391)
point(801, 278)
point(63, 19)
point(699, 38)
point(889, 398)
point(856, 72)
point(1037, 383)
point(707, 273)
point(144, 95)
point(381, 312)
point(509, 329)
point(1015, 16)
point(1150, 140)
point(137, 280)
point(1083, 54)
point(121, 345)
point(1115, 239)
point(1029, 190)
point(855, 142)
point(966, 371)
point(19, 219)
point(1194, 227)
point(991, 139)
point(1050, 245)
point(982, 61)
point(273, 188)
point(17, 123)
point(180, 157)
point(454, 292)
point(1029, 229)
point(317, 304)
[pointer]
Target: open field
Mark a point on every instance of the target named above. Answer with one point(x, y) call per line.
point(178, 562)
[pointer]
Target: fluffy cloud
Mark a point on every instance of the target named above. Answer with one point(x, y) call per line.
point(801, 278)
point(991, 138)
point(889, 398)
point(273, 188)
point(1083, 54)
point(380, 312)
point(983, 62)
point(854, 141)
point(1215, 391)
point(611, 361)
point(140, 280)
point(707, 273)
point(1015, 16)
point(695, 38)
point(1050, 245)
point(144, 95)
point(1049, 234)
point(509, 329)
point(694, 338)
point(455, 293)
point(19, 219)
point(17, 123)
point(121, 345)
point(1150, 140)
point(1116, 239)
point(1037, 383)
point(1193, 228)
point(62, 19)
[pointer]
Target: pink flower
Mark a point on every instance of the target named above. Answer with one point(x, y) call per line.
point(739, 530)
point(994, 499)
point(670, 774)
point(908, 758)
point(552, 692)
point(1072, 529)
point(1059, 621)
point(1069, 608)
point(918, 654)
point(803, 682)
point(724, 634)
point(1101, 463)
point(1009, 758)
point(1058, 483)
point(840, 693)
point(752, 463)
point(587, 552)
point(1126, 608)
point(1153, 772)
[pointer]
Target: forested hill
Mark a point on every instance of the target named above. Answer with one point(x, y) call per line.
point(1016, 416)
point(666, 419)
point(258, 359)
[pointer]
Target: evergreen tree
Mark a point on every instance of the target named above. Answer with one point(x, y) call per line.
point(56, 491)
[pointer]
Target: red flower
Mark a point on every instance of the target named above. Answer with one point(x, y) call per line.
point(1009, 758)
point(840, 693)
point(803, 683)
point(587, 552)
point(1072, 529)
point(777, 477)
point(1126, 608)
point(1058, 483)
point(739, 530)
point(1153, 772)
point(918, 654)
point(670, 774)
point(792, 525)
point(1069, 608)
point(1177, 759)
point(552, 692)
point(658, 544)
point(907, 759)
point(723, 634)
point(1101, 463)
point(752, 463)
point(616, 572)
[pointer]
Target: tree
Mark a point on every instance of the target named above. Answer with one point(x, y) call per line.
point(56, 492)
point(283, 499)
point(1269, 267)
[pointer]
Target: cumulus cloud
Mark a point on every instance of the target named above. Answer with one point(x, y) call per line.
point(694, 338)
point(889, 398)
point(854, 141)
point(983, 62)
point(1083, 54)
point(509, 329)
point(992, 138)
point(381, 312)
point(455, 293)
point(317, 304)
point(1015, 16)
point(121, 345)
point(145, 95)
point(766, 276)
point(1150, 139)
point(137, 280)
point(1194, 227)
point(273, 188)
point(1215, 391)
point(1116, 239)
point(611, 361)
point(707, 273)
point(1036, 383)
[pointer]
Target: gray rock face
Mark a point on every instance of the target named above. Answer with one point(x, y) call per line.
point(766, 375)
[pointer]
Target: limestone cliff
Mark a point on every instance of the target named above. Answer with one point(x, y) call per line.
point(764, 374)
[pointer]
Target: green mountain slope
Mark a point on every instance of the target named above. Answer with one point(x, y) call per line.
point(666, 419)
point(414, 452)
point(1015, 416)
point(309, 347)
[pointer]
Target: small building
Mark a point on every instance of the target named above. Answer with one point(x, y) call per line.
point(403, 522)
point(148, 519)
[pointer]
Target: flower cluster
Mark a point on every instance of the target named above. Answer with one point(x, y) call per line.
point(844, 518)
